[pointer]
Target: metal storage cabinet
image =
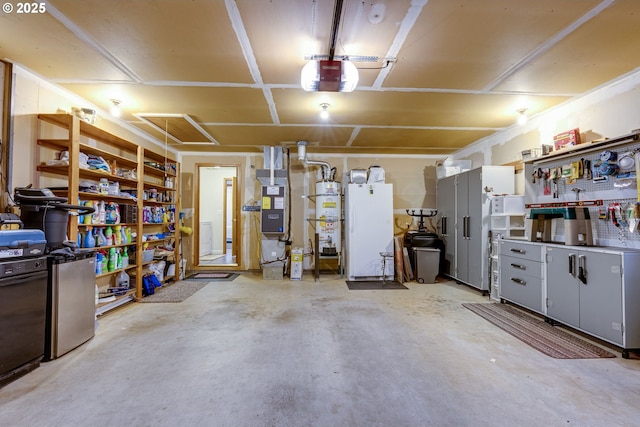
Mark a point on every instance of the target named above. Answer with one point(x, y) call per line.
point(522, 274)
point(471, 210)
point(446, 204)
point(595, 290)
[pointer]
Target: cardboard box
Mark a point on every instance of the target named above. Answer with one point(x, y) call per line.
point(451, 167)
point(566, 139)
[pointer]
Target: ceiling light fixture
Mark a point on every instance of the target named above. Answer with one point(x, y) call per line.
point(329, 76)
point(324, 114)
point(115, 108)
point(522, 116)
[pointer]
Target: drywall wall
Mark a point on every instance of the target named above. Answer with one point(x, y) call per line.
point(606, 112)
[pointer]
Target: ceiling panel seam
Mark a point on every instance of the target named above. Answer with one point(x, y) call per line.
point(270, 86)
point(247, 51)
point(407, 24)
point(82, 35)
point(354, 134)
point(347, 125)
point(544, 47)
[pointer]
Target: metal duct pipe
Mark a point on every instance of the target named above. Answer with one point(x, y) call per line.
point(302, 156)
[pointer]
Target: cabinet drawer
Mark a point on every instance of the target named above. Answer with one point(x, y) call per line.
point(522, 289)
point(518, 266)
point(521, 250)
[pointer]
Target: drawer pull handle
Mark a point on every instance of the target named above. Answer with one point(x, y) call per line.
point(518, 266)
point(518, 251)
point(518, 281)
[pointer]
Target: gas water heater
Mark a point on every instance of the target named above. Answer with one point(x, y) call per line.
point(328, 206)
point(328, 211)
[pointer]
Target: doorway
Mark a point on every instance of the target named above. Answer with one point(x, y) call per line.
point(217, 236)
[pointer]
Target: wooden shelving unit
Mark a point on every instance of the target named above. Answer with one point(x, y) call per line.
point(146, 170)
point(161, 175)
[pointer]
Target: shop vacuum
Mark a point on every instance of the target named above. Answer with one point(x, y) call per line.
point(40, 209)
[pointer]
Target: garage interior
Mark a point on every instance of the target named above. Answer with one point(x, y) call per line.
point(215, 86)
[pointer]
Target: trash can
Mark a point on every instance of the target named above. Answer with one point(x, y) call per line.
point(427, 262)
point(424, 239)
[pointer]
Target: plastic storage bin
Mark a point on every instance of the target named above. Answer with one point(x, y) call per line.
point(147, 256)
point(427, 261)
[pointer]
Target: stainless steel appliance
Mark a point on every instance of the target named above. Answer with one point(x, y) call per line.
point(23, 302)
point(71, 308)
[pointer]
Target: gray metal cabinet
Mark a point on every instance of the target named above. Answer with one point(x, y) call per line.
point(446, 191)
point(468, 201)
point(521, 274)
point(595, 290)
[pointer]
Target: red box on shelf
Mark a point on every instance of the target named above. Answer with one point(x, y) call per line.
point(566, 139)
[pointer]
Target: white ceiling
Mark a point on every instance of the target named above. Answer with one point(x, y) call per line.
point(459, 69)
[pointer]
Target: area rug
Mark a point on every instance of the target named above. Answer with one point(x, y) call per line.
point(540, 335)
point(213, 276)
point(367, 285)
point(177, 292)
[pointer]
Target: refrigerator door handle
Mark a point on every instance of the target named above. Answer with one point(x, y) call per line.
point(444, 225)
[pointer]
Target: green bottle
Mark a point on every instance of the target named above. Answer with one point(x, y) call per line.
point(104, 263)
point(111, 265)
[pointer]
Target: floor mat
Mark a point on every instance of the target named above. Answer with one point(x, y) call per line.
point(213, 276)
point(177, 292)
point(367, 285)
point(540, 335)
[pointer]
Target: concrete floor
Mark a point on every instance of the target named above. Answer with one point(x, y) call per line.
point(313, 353)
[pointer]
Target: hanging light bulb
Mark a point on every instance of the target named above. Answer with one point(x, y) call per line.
point(115, 108)
point(324, 114)
point(522, 116)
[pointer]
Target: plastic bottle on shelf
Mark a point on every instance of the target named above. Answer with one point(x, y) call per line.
point(102, 212)
point(95, 216)
point(111, 264)
point(104, 186)
point(89, 239)
point(108, 236)
point(122, 280)
point(129, 235)
point(86, 219)
point(101, 238)
point(105, 263)
point(118, 259)
point(98, 263)
point(117, 234)
point(124, 237)
point(125, 258)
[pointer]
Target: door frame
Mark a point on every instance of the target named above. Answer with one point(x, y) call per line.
point(236, 225)
point(234, 213)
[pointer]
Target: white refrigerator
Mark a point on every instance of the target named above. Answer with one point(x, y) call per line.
point(369, 231)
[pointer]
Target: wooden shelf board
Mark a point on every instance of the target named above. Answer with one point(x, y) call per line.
point(86, 129)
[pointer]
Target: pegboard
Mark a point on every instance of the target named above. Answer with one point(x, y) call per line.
point(620, 188)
